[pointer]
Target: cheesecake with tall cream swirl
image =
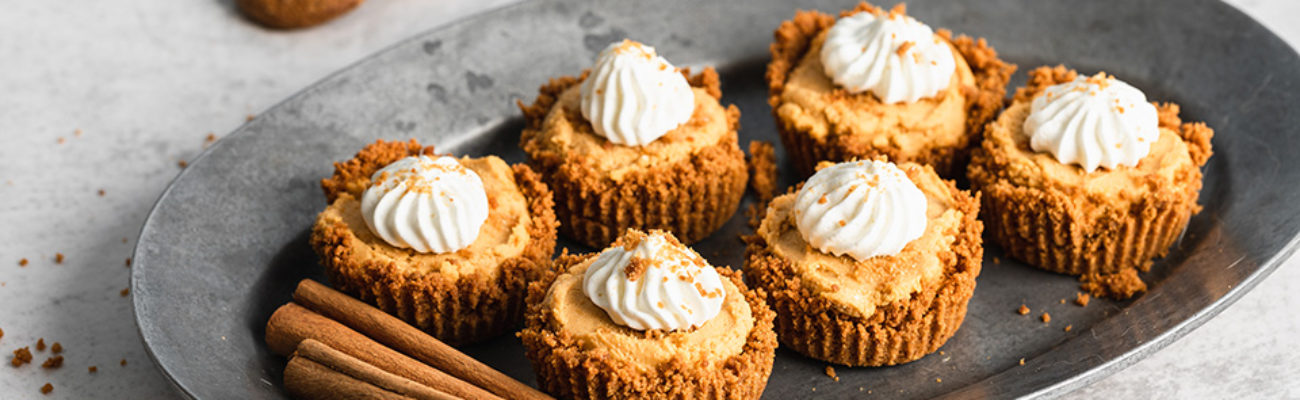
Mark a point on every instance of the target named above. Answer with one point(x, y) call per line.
point(636, 143)
point(647, 317)
point(869, 263)
point(463, 235)
point(875, 82)
point(1082, 175)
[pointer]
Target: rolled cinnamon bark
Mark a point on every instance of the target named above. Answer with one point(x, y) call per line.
point(291, 324)
point(317, 371)
point(409, 340)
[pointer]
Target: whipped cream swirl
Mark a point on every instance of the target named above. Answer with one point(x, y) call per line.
point(428, 204)
point(634, 96)
point(894, 56)
point(652, 281)
point(860, 208)
point(1093, 121)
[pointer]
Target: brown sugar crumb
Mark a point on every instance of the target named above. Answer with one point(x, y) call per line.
point(128, 262)
point(22, 262)
point(1082, 299)
point(902, 48)
point(1119, 286)
point(93, 369)
point(47, 388)
point(1046, 318)
point(56, 348)
point(762, 170)
point(21, 356)
point(58, 258)
point(182, 164)
point(101, 192)
point(1069, 327)
point(1023, 310)
point(125, 292)
point(53, 362)
point(40, 344)
point(830, 371)
point(123, 363)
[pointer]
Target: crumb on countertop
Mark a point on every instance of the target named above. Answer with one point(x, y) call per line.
point(92, 369)
point(47, 388)
point(21, 356)
point(1069, 327)
point(1023, 310)
point(22, 262)
point(1082, 299)
point(58, 258)
point(40, 344)
point(1046, 318)
point(182, 164)
point(1119, 286)
point(1022, 361)
point(128, 262)
point(53, 362)
point(123, 363)
point(830, 371)
point(56, 348)
point(125, 292)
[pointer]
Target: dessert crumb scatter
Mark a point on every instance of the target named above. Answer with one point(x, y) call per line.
point(128, 262)
point(182, 164)
point(830, 371)
point(123, 363)
point(249, 117)
point(1047, 318)
point(1069, 327)
point(93, 369)
point(1022, 361)
point(1023, 310)
point(21, 356)
point(1062, 301)
point(101, 192)
point(938, 380)
point(211, 138)
point(22, 262)
point(125, 292)
point(47, 388)
point(996, 260)
point(56, 348)
point(40, 344)
point(1082, 299)
point(52, 362)
point(58, 258)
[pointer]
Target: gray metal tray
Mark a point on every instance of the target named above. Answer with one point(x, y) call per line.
point(228, 239)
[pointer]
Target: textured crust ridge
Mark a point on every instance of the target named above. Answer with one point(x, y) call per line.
point(897, 332)
point(457, 311)
point(568, 370)
point(690, 198)
point(983, 101)
point(1061, 232)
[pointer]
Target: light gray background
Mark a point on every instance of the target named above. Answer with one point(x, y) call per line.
point(146, 80)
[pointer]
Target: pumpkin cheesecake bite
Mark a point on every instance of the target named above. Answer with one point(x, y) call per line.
point(868, 263)
point(647, 318)
point(1081, 175)
point(447, 244)
point(634, 143)
point(880, 83)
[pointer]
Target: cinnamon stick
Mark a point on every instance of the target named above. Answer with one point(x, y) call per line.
point(291, 324)
point(317, 371)
point(407, 339)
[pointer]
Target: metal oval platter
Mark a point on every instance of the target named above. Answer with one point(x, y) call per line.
point(228, 240)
